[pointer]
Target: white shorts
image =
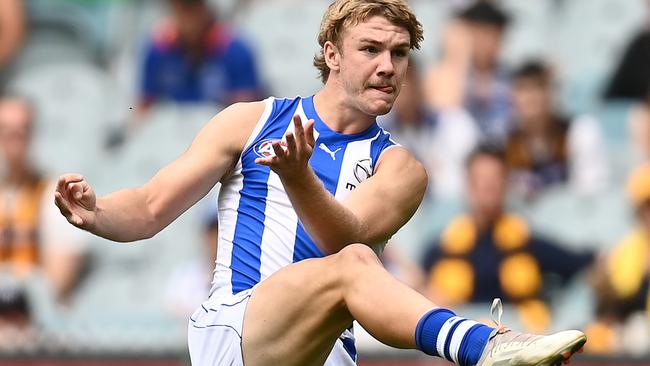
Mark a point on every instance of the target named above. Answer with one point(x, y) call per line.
point(214, 334)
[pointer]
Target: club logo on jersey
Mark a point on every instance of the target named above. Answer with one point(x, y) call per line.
point(264, 148)
point(362, 170)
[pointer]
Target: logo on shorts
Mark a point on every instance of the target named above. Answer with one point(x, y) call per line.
point(264, 148)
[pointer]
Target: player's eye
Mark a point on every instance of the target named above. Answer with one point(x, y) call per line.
point(371, 49)
point(400, 53)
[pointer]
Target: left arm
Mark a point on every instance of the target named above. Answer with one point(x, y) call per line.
point(371, 214)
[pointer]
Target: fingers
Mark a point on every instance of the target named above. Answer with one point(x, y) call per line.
point(74, 187)
point(304, 134)
point(66, 179)
point(309, 133)
point(64, 207)
point(296, 149)
point(61, 204)
point(298, 130)
point(279, 151)
point(292, 149)
point(267, 161)
point(76, 190)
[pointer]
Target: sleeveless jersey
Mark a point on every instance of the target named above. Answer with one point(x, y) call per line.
point(259, 231)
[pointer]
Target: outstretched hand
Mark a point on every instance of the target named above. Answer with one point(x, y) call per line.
point(76, 200)
point(291, 161)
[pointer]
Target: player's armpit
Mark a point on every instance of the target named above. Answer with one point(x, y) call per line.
point(387, 200)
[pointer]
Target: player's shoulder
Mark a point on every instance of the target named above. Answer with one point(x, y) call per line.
point(240, 116)
point(232, 127)
point(255, 111)
point(399, 161)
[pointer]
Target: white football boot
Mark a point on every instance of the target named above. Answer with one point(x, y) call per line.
point(507, 347)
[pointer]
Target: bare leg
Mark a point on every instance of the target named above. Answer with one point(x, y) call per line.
point(295, 316)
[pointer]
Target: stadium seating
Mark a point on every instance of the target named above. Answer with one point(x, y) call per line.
point(80, 67)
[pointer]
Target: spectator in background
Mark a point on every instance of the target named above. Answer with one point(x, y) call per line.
point(192, 57)
point(440, 139)
point(639, 131)
point(489, 252)
point(622, 281)
point(32, 235)
point(412, 122)
point(545, 147)
point(16, 328)
point(470, 70)
point(12, 32)
point(631, 79)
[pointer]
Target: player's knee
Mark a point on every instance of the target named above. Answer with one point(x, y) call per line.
point(355, 255)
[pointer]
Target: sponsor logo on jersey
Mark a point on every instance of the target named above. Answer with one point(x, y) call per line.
point(362, 170)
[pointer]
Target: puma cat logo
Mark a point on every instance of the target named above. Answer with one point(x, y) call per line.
point(324, 147)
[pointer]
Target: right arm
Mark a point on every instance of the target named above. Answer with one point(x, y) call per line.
point(140, 213)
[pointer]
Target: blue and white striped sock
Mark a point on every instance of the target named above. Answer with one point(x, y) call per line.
point(462, 341)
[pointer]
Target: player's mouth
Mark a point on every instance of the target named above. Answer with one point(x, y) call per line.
point(384, 88)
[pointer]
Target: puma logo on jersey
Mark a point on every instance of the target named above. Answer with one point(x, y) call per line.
point(324, 147)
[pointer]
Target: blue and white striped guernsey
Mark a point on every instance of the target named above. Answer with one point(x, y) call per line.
point(259, 231)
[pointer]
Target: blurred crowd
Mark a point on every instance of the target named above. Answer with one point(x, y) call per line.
point(500, 138)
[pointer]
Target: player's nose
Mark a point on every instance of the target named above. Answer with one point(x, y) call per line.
point(385, 66)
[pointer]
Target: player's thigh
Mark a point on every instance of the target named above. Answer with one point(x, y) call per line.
point(295, 316)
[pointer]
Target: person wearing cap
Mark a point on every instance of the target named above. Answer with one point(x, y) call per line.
point(621, 284)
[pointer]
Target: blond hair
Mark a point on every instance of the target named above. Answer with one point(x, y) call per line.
point(343, 14)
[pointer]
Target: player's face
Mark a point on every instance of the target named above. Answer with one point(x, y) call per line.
point(373, 61)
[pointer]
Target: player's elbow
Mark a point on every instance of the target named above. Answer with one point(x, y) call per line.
point(152, 216)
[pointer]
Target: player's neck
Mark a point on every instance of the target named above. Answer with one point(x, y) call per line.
point(339, 116)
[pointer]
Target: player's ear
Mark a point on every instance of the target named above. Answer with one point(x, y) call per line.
point(332, 56)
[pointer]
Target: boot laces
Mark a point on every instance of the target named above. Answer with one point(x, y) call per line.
point(504, 338)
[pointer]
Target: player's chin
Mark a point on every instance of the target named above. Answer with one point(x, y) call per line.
point(379, 106)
